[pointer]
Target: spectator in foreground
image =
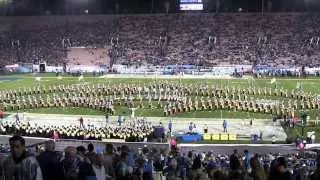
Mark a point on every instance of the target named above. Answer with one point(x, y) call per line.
point(234, 160)
point(20, 165)
point(49, 161)
point(98, 168)
point(81, 151)
point(72, 168)
point(91, 155)
point(279, 170)
point(246, 161)
point(196, 168)
point(316, 174)
point(257, 172)
point(172, 172)
point(122, 168)
point(69, 166)
point(108, 160)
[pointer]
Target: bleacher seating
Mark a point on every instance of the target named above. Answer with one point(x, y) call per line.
point(201, 39)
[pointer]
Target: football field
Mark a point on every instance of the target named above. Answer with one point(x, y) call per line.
point(309, 86)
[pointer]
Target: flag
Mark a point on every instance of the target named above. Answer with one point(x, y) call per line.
point(292, 113)
point(38, 78)
point(60, 77)
point(80, 78)
point(273, 80)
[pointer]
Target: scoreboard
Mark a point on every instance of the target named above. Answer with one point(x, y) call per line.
point(191, 5)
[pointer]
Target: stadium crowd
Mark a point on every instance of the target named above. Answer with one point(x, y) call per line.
point(277, 39)
point(124, 163)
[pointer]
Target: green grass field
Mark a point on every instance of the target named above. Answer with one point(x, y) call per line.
point(26, 81)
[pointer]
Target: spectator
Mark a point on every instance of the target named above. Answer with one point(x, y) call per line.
point(257, 172)
point(196, 169)
point(218, 175)
point(172, 170)
point(122, 168)
point(72, 168)
point(279, 170)
point(173, 143)
point(108, 160)
point(316, 174)
point(246, 161)
point(99, 168)
point(138, 171)
point(81, 151)
point(148, 169)
point(234, 160)
point(91, 155)
point(20, 165)
point(158, 165)
point(49, 161)
point(55, 135)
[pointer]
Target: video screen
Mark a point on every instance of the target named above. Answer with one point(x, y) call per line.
point(191, 5)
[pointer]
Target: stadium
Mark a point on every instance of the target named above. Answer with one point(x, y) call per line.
point(154, 89)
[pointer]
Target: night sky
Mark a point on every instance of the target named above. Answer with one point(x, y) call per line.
point(40, 7)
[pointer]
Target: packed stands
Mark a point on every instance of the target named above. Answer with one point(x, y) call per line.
point(290, 39)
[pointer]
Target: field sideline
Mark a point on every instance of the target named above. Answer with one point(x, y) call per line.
point(310, 84)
